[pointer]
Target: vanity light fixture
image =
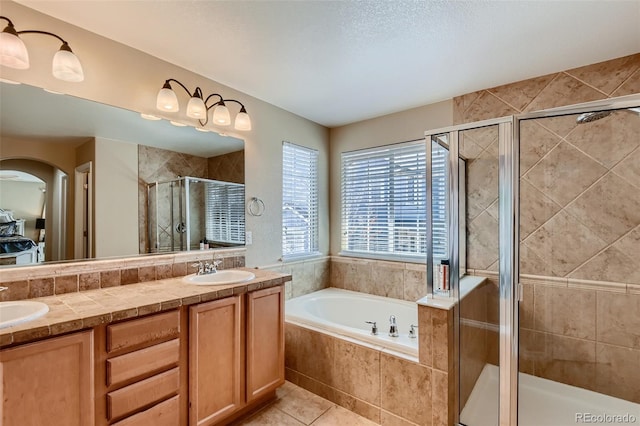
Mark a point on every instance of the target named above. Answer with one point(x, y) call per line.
point(13, 54)
point(197, 107)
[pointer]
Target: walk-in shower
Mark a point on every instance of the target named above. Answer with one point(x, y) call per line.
point(184, 212)
point(553, 224)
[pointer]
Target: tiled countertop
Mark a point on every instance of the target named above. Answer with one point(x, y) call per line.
point(86, 309)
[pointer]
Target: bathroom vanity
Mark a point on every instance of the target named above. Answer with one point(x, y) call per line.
point(168, 353)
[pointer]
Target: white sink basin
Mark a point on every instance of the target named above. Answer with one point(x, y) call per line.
point(19, 311)
point(228, 276)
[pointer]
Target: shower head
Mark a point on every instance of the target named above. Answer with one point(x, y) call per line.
point(588, 117)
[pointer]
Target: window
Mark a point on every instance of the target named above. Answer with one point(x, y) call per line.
point(299, 200)
point(224, 212)
point(384, 201)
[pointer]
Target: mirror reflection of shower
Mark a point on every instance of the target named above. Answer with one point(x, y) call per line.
point(186, 212)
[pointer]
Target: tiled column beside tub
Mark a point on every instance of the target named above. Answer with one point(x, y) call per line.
point(387, 387)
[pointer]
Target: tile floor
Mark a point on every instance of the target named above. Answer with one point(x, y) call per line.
point(296, 406)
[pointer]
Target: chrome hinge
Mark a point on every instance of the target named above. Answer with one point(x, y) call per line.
point(520, 292)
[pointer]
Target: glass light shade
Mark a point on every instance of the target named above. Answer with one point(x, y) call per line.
point(167, 100)
point(66, 66)
point(243, 122)
point(13, 52)
point(221, 115)
point(196, 108)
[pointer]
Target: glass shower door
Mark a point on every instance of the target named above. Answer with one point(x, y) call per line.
point(579, 244)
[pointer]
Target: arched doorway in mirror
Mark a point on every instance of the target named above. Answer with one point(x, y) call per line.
point(36, 193)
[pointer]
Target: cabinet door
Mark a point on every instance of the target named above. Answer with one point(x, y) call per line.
point(48, 382)
point(216, 359)
point(265, 341)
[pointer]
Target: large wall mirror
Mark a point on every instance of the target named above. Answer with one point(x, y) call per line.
point(84, 180)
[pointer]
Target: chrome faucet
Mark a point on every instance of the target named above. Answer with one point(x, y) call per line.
point(200, 266)
point(374, 327)
point(393, 327)
point(4, 288)
point(412, 331)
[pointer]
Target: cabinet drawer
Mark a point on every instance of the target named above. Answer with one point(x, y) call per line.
point(143, 330)
point(141, 394)
point(166, 413)
point(142, 362)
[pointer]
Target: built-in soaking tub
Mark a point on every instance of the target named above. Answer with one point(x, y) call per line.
point(346, 313)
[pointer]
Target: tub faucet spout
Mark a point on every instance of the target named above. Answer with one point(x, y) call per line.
point(393, 327)
point(374, 328)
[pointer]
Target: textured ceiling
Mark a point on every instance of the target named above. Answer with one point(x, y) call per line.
point(336, 62)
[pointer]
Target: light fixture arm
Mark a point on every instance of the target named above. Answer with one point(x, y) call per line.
point(167, 101)
point(196, 93)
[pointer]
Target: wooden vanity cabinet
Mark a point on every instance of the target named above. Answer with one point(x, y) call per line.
point(216, 356)
point(265, 342)
point(236, 355)
point(49, 382)
point(140, 376)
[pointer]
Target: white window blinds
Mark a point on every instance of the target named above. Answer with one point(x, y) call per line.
point(299, 200)
point(384, 201)
point(224, 211)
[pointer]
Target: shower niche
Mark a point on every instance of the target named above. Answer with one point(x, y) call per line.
point(184, 213)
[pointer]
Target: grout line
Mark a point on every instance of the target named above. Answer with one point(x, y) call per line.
point(607, 95)
point(637, 71)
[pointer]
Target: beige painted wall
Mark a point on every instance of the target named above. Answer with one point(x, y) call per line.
point(121, 76)
point(116, 198)
point(393, 128)
point(25, 200)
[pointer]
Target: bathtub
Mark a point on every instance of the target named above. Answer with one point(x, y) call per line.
point(345, 313)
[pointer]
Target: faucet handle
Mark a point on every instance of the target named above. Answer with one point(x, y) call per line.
point(412, 331)
point(200, 267)
point(393, 327)
point(374, 327)
point(2, 288)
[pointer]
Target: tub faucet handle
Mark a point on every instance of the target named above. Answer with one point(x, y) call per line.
point(393, 327)
point(412, 331)
point(374, 327)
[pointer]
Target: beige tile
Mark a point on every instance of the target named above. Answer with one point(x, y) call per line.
point(520, 94)
point(468, 148)
point(618, 372)
point(415, 285)
point(485, 107)
point(16, 290)
point(535, 142)
point(609, 208)
point(532, 350)
point(618, 319)
point(425, 335)
point(564, 90)
point(527, 306)
point(356, 371)
point(559, 125)
point(286, 388)
point(109, 279)
point(482, 242)
point(571, 361)
point(564, 243)
point(461, 103)
point(531, 263)
point(611, 265)
point(164, 271)
point(387, 281)
point(535, 209)
point(629, 168)
point(443, 399)
point(355, 405)
point(318, 388)
point(609, 139)
point(65, 284)
point(315, 355)
point(390, 419)
point(564, 173)
point(303, 405)
point(406, 389)
point(609, 75)
point(482, 136)
point(40, 287)
point(269, 417)
point(146, 273)
point(630, 86)
point(565, 311)
point(473, 357)
point(337, 415)
point(482, 183)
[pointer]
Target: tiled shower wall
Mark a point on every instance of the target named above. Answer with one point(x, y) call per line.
point(157, 165)
point(580, 225)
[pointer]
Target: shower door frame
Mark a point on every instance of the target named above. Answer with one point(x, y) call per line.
point(510, 290)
